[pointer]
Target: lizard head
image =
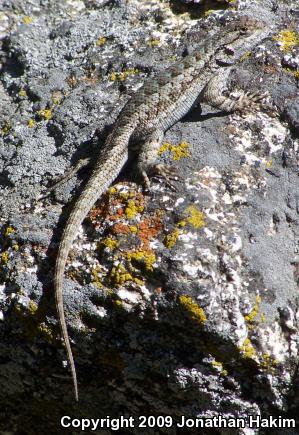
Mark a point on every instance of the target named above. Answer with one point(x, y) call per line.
point(241, 35)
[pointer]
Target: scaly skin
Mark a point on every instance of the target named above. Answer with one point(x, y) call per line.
point(155, 107)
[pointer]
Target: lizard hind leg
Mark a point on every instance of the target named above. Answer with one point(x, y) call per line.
point(213, 94)
point(147, 164)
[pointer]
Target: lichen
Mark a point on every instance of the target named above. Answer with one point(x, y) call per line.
point(45, 113)
point(219, 365)
point(6, 128)
point(96, 277)
point(288, 39)
point(154, 42)
point(247, 349)
point(133, 208)
point(171, 239)
point(196, 218)
point(110, 243)
point(119, 275)
point(245, 56)
point(27, 20)
point(122, 75)
point(30, 123)
point(178, 151)
point(9, 230)
point(101, 41)
point(194, 310)
point(5, 257)
point(251, 317)
point(147, 258)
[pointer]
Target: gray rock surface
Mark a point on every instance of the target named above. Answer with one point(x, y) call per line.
point(178, 302)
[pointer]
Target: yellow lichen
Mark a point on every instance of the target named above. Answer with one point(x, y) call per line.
point(45, 113)
point(110, 243)
point(22, 93)
point(113, 76)
point(122, 75)
point(27, 20)
point(219, 365)
point(268, 362)
point(194, 310)
point(5, 257)
point(269, 164)
point(154, 42)
point(9, 230)
point(178, 151)
point(5, 129)
point(31, 123)
point(296, 75)
point(247, 349)
point(245, 56)
point(112, 190)
point(142, 256)
point(95, 274)
point(44, 330)
point(171, 239)
point(196, 218)
point(251, 317)
point(287, 39)
point(120, 275)
point(101, 41)
point(133, 228)
point(133, 209)
point(32, 307)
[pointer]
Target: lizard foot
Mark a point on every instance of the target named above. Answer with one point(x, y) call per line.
point(168, 173)
point(249, 101)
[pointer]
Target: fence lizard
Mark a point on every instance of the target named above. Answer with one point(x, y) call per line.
point(158, 104)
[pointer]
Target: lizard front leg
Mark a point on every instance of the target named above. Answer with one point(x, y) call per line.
point(212, 94)
point(147, 158)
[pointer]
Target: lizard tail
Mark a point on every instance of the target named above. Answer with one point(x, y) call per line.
point(107, 169)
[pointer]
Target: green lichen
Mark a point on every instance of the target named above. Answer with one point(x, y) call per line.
point(194, 310)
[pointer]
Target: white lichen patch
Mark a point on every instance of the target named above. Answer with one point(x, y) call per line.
point(257, 148)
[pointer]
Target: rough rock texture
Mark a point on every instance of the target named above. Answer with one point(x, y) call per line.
point(179, 302)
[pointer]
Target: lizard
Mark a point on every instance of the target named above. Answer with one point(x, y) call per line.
point(158, 104)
